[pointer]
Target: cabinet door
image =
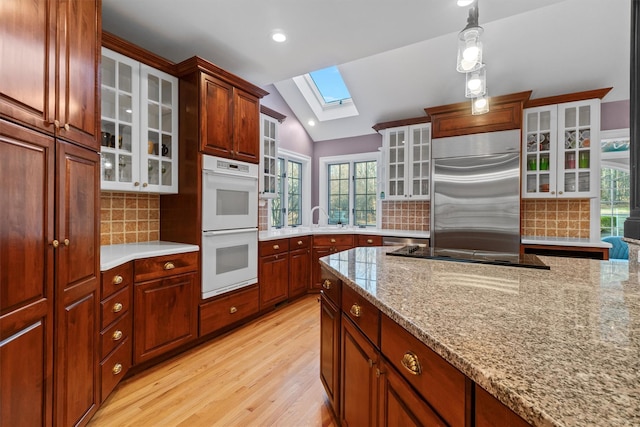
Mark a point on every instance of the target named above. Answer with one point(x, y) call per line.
point(330, 351)
point(316, 254)
point(268, 156)
point(539, 159)
point(79, 50)
point(299, 271)
point(77, 284)
point(396, 143)
point(399, 405)
point(274, 279)
point(216, 116)
point(27, 85)
point(158, 130)
point(358, 382)
point(419, 153)
point(246, 127)
point(27, 161)
point(164, 315)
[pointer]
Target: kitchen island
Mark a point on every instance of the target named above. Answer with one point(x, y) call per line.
point(559, 347)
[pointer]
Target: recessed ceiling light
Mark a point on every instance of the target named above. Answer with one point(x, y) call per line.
point(311, 123)
point(278, 36)
point(463, 3)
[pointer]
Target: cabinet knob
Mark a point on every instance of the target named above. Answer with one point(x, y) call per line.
point(145, 185)
point(117, 280)
point(55, 243)
point(136, 184)
point(370, 241)
point(117, 307)
point(233, 309)
point(333, 240)
point(356, 310)
point(169, 265)
point(117, 335)
point(559, 192)
point(411, 363)
point(56, 123)
point(299, 242)
point(553, 192)
point(66, 126)
point(276, 247)
point(117, 368)
point(66, 242)
point(326, 284)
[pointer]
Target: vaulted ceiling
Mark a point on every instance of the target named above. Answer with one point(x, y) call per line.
point(396, 56)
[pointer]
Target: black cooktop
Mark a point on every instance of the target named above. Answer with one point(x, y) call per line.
point(473, 256)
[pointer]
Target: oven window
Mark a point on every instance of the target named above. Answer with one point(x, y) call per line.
point(232, 258)
point(232, 202)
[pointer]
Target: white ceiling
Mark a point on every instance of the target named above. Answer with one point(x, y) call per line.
point(396, 56)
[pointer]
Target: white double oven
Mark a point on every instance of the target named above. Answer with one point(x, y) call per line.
point(229, 225)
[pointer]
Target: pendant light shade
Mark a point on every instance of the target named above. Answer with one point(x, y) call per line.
point(480, 105)
point(469, 50)
point(476, 83)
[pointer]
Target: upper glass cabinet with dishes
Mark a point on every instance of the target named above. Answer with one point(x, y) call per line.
point(269, 157)
point(139, 126)
point(559, 159)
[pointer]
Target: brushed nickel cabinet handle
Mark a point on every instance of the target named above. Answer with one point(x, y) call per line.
point(356, 310)
point(117, 280)
point(117, 307)
point(169, 265)
point(117, 335)
point(233, 309)
point(117, 368)
point(326, 284)
point(411, 363)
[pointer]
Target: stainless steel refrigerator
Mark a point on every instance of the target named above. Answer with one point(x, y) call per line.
point(475, 202)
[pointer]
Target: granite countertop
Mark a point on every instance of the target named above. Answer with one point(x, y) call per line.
point(560, 347)
point(115, 255)
point(283, 233)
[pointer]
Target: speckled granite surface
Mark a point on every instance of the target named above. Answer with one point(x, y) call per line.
point(560, 347)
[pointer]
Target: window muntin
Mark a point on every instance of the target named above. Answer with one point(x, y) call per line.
point(294, 193)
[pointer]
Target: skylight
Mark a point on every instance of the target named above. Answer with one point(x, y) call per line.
point(330, 85)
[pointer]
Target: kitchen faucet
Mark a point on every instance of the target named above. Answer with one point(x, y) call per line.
point(321, 210)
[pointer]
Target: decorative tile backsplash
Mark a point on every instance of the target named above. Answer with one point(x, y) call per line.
point(405, 215)
point(129, 217)
point(263, 216)
point(556, 218)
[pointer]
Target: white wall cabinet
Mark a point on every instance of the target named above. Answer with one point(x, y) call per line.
point(139, 125)
point(268, 157)
point(408, 162)
point(561, 156)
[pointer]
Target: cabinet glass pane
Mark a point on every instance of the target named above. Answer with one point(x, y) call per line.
point(570, 140)
point(393, 172)
point(569, 182)
point(125, 108)
point(124, 168)
point(153, 87)
point(108, 103)
point(166, 173)
point(166, 119)
point(124, 138)
point(166, 92)
point(153, 142)
point(545, 120)
point(108, 166)
point(400, 170)
point(585, 115)
point(584, 138)
point(532, 122)
point(584, 159)
point(107, 129)
point(125, 76)
point(108, 72)
point(153, 116)
point(400, 187)
point(570, 117)
point(392, 156)
point(153, 172)
point(584, 182)
point(167, 147)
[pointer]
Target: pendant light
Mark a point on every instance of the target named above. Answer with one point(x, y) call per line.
point(476, 83)
point(480, 105)
point(469, 44)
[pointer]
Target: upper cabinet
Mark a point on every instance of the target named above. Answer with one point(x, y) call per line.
point(559, 159)
point(49, 69)
point(228, 110)
point(407, 152)
point(139, 126)
point(269, 123)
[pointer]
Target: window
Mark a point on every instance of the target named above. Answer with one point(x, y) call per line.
point(349, 189)
point(326, 93)
point(294, 183)
point(330, 86)
point(615, 182)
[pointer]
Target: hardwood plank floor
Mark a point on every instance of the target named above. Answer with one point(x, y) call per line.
point(265, 373)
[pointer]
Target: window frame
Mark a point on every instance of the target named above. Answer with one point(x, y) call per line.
point(323, 190)
point(305, 191)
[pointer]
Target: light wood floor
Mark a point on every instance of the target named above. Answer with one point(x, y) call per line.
point(265, 373)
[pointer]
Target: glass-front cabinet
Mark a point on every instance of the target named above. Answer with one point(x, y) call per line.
point(139, 126)
point(408, 162)
point(268, 156)
point(559, 160)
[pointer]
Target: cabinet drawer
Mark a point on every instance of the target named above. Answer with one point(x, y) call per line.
point(302, 242)
point(364, 314)
point(364, 240)
point(167, 265)
point(114, 335)
point(333, 240)
point(228, 309)
point(115, 306)
point(439, 383)
point(331, 286)
point(115, 367)
point(271, 247)
point(116, 279)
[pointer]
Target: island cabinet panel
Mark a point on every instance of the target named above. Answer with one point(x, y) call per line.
point(324, 245)
point(445, 388)
point(330, 329)
point(359, 383)
point(362, 313)
point(489, 412)
point(400, 405)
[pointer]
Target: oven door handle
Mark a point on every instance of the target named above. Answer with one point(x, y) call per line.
point(229, 174)
point(234, 231)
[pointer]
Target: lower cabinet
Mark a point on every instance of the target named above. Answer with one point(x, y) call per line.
point(228, 309)
point(273, 272)
point(299, 265)
point(490, 412)
point(165, 304)
point(323, 245)
point(330, 351)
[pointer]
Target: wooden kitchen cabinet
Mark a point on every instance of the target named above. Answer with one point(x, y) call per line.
point(229, 308)
point(49, 70)
point(299, 265)
point(324, 245)
point(368, 240)
point(165, 299)
point(407, 162)
point(273, 272)
point(330, 327)
point(490, 412)
point(229, 119)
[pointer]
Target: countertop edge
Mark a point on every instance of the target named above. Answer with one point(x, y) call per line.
point(306, 231)
point(114, 255)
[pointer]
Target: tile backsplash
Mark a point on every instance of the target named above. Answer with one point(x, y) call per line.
point(556, 218)
point(405, 215)
point(129, 217)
